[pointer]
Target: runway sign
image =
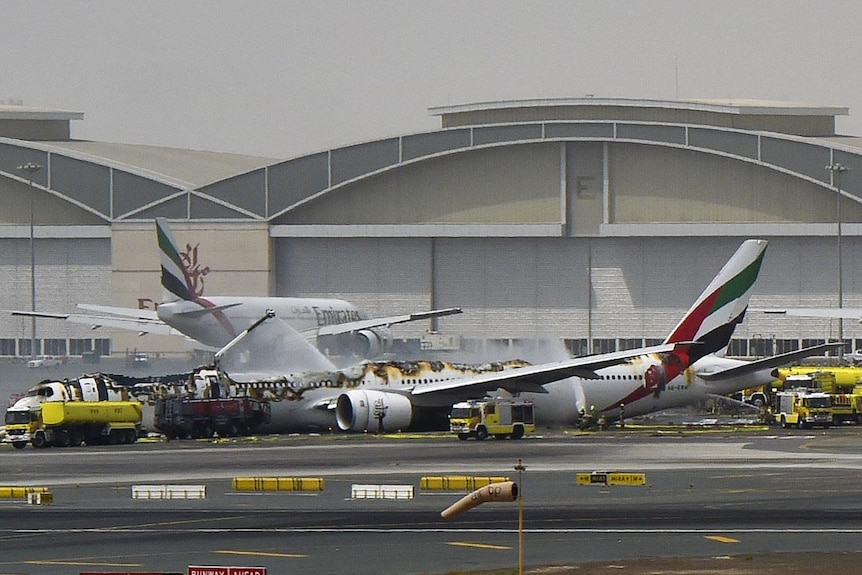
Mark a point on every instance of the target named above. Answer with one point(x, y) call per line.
point(215, 570)
point(611, 478)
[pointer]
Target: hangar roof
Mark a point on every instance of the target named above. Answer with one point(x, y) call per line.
point(729, 106)
point(17, 112)
point(189, 168)
point(766, 115)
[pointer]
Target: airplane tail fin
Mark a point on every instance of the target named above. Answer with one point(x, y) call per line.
point(176, 283)
point(715, 314)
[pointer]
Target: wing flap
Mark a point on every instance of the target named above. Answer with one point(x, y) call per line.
point(768, 362)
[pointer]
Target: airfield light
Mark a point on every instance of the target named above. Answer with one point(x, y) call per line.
point(31, 168)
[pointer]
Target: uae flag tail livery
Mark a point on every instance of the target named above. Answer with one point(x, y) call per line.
point(711, 320)
point(175, 280)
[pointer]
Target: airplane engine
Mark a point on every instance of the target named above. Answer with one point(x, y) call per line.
point(366, 343)
point(656, 378)
point(368, 410)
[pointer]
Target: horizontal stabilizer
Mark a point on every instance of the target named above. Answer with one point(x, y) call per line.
point(768, 362)
point(827, 312)
point(121, 311)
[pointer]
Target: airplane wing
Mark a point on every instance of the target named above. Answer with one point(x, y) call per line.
point(141, 321)
point(768, 362)
point(826, 312)
point(533, 378)
point(381, 321)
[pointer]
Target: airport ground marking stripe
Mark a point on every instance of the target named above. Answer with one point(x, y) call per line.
point(721, 538)
point(260, 553)
point(536, 530)
point(161, 523)
point(80, 563)
point(479, 545)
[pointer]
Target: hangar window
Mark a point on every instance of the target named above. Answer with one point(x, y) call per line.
point(25, 347)
point(55, 346)
point(604, 345)
point(102, 346)
point(760, 347)
point(80, 346)
point(577, 347)
point(630, 343)
point(812, 342)
point(7, 347)
point(738, 348)
point(786, 345)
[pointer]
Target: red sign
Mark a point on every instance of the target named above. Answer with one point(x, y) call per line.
point(215, 570)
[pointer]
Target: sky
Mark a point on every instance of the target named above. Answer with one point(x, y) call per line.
point(284, 78)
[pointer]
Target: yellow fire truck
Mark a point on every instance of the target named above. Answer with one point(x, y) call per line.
point(501, 418)
point(803, 408)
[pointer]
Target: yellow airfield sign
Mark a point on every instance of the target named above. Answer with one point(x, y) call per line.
point(611, 478)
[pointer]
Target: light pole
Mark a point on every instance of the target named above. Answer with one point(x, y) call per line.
point(519, 467)
point(31, 168)
point(837, 169)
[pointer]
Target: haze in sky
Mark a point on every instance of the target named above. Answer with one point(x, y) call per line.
point(285, 78)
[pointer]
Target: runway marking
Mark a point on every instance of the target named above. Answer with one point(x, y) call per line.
point(260, 553)
point(84, 563)
point(479, 545)
point(721, 538)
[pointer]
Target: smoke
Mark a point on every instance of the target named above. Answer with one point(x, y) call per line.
point(273, 349)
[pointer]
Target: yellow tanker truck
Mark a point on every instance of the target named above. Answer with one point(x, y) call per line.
point(70, 423)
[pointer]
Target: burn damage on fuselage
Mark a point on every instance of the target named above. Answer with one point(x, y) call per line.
point(387, 375)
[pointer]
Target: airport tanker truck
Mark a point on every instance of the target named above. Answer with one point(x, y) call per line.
point(70, 423)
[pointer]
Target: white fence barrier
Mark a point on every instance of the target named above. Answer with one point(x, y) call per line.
point(169, 491)
point(381, 491)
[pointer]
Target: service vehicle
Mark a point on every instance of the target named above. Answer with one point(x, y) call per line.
point(846, 396)
point(803, 408)
point(184, 417)
point(70, 423)
point(207, 403)
point(500, 418)
point(44, 361)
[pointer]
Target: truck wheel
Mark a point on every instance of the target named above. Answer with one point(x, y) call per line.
point(19, 444)
point(518, 432)
point(481, 434)
point(61, 438)
point(463, 436)
point(39, 440)
point(783, 422)
point(800, 424)
point(76, 438)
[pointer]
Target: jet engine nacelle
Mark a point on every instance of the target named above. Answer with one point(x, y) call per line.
point(366, 343)
point(369, 410)
point(655, 378)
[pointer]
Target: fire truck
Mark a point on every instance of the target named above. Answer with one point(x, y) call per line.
point(500, 418)
point(803, 408)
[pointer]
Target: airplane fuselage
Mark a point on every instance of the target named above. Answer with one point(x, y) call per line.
point(309, 402)
point(228, 316)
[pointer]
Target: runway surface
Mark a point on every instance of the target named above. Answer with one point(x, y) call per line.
point(706, 494)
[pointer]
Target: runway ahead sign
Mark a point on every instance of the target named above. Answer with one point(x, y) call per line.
point(216, 570)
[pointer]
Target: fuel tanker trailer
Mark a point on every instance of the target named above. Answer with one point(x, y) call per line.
point(47, 416)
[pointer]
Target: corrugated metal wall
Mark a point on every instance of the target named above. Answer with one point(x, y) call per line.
point(68, 272)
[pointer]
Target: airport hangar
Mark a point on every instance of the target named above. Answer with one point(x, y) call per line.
point(597, 221)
